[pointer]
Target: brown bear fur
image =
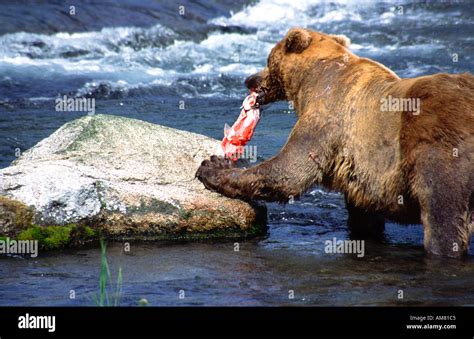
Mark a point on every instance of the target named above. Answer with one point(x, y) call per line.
point(389, 164)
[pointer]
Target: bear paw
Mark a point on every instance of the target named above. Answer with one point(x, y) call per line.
point(212, 172)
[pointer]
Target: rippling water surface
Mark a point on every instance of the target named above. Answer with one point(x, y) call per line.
point(139, 59)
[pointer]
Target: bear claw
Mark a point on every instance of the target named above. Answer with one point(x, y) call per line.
point(208, 172)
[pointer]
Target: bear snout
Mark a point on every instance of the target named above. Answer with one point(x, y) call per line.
point(254, 81)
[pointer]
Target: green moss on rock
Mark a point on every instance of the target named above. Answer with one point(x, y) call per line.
point(57, 237)
point(49, 237)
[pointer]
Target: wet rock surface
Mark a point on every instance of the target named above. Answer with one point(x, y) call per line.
point(125, 178)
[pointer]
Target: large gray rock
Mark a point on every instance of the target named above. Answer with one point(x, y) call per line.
point(128, 178)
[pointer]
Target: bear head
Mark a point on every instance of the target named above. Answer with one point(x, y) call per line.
point(291, 59)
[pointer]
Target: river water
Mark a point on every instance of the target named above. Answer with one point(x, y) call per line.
point(140, 60)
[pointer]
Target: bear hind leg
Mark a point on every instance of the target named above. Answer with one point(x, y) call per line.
point(443, 192)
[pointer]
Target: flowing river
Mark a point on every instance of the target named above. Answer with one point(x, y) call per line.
point(140, 59)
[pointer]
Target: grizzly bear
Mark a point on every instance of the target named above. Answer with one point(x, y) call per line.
point(401, 149)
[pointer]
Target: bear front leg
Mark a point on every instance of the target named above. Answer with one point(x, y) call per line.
point(296, 168)
point(363, 223)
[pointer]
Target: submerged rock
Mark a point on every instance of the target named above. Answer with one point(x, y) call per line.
point(124, 177)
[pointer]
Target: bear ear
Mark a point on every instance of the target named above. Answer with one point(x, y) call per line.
point(341, 39)
point(297, 40)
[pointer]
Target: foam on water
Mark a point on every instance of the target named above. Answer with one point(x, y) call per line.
point(127, 56)
point(132, 60)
